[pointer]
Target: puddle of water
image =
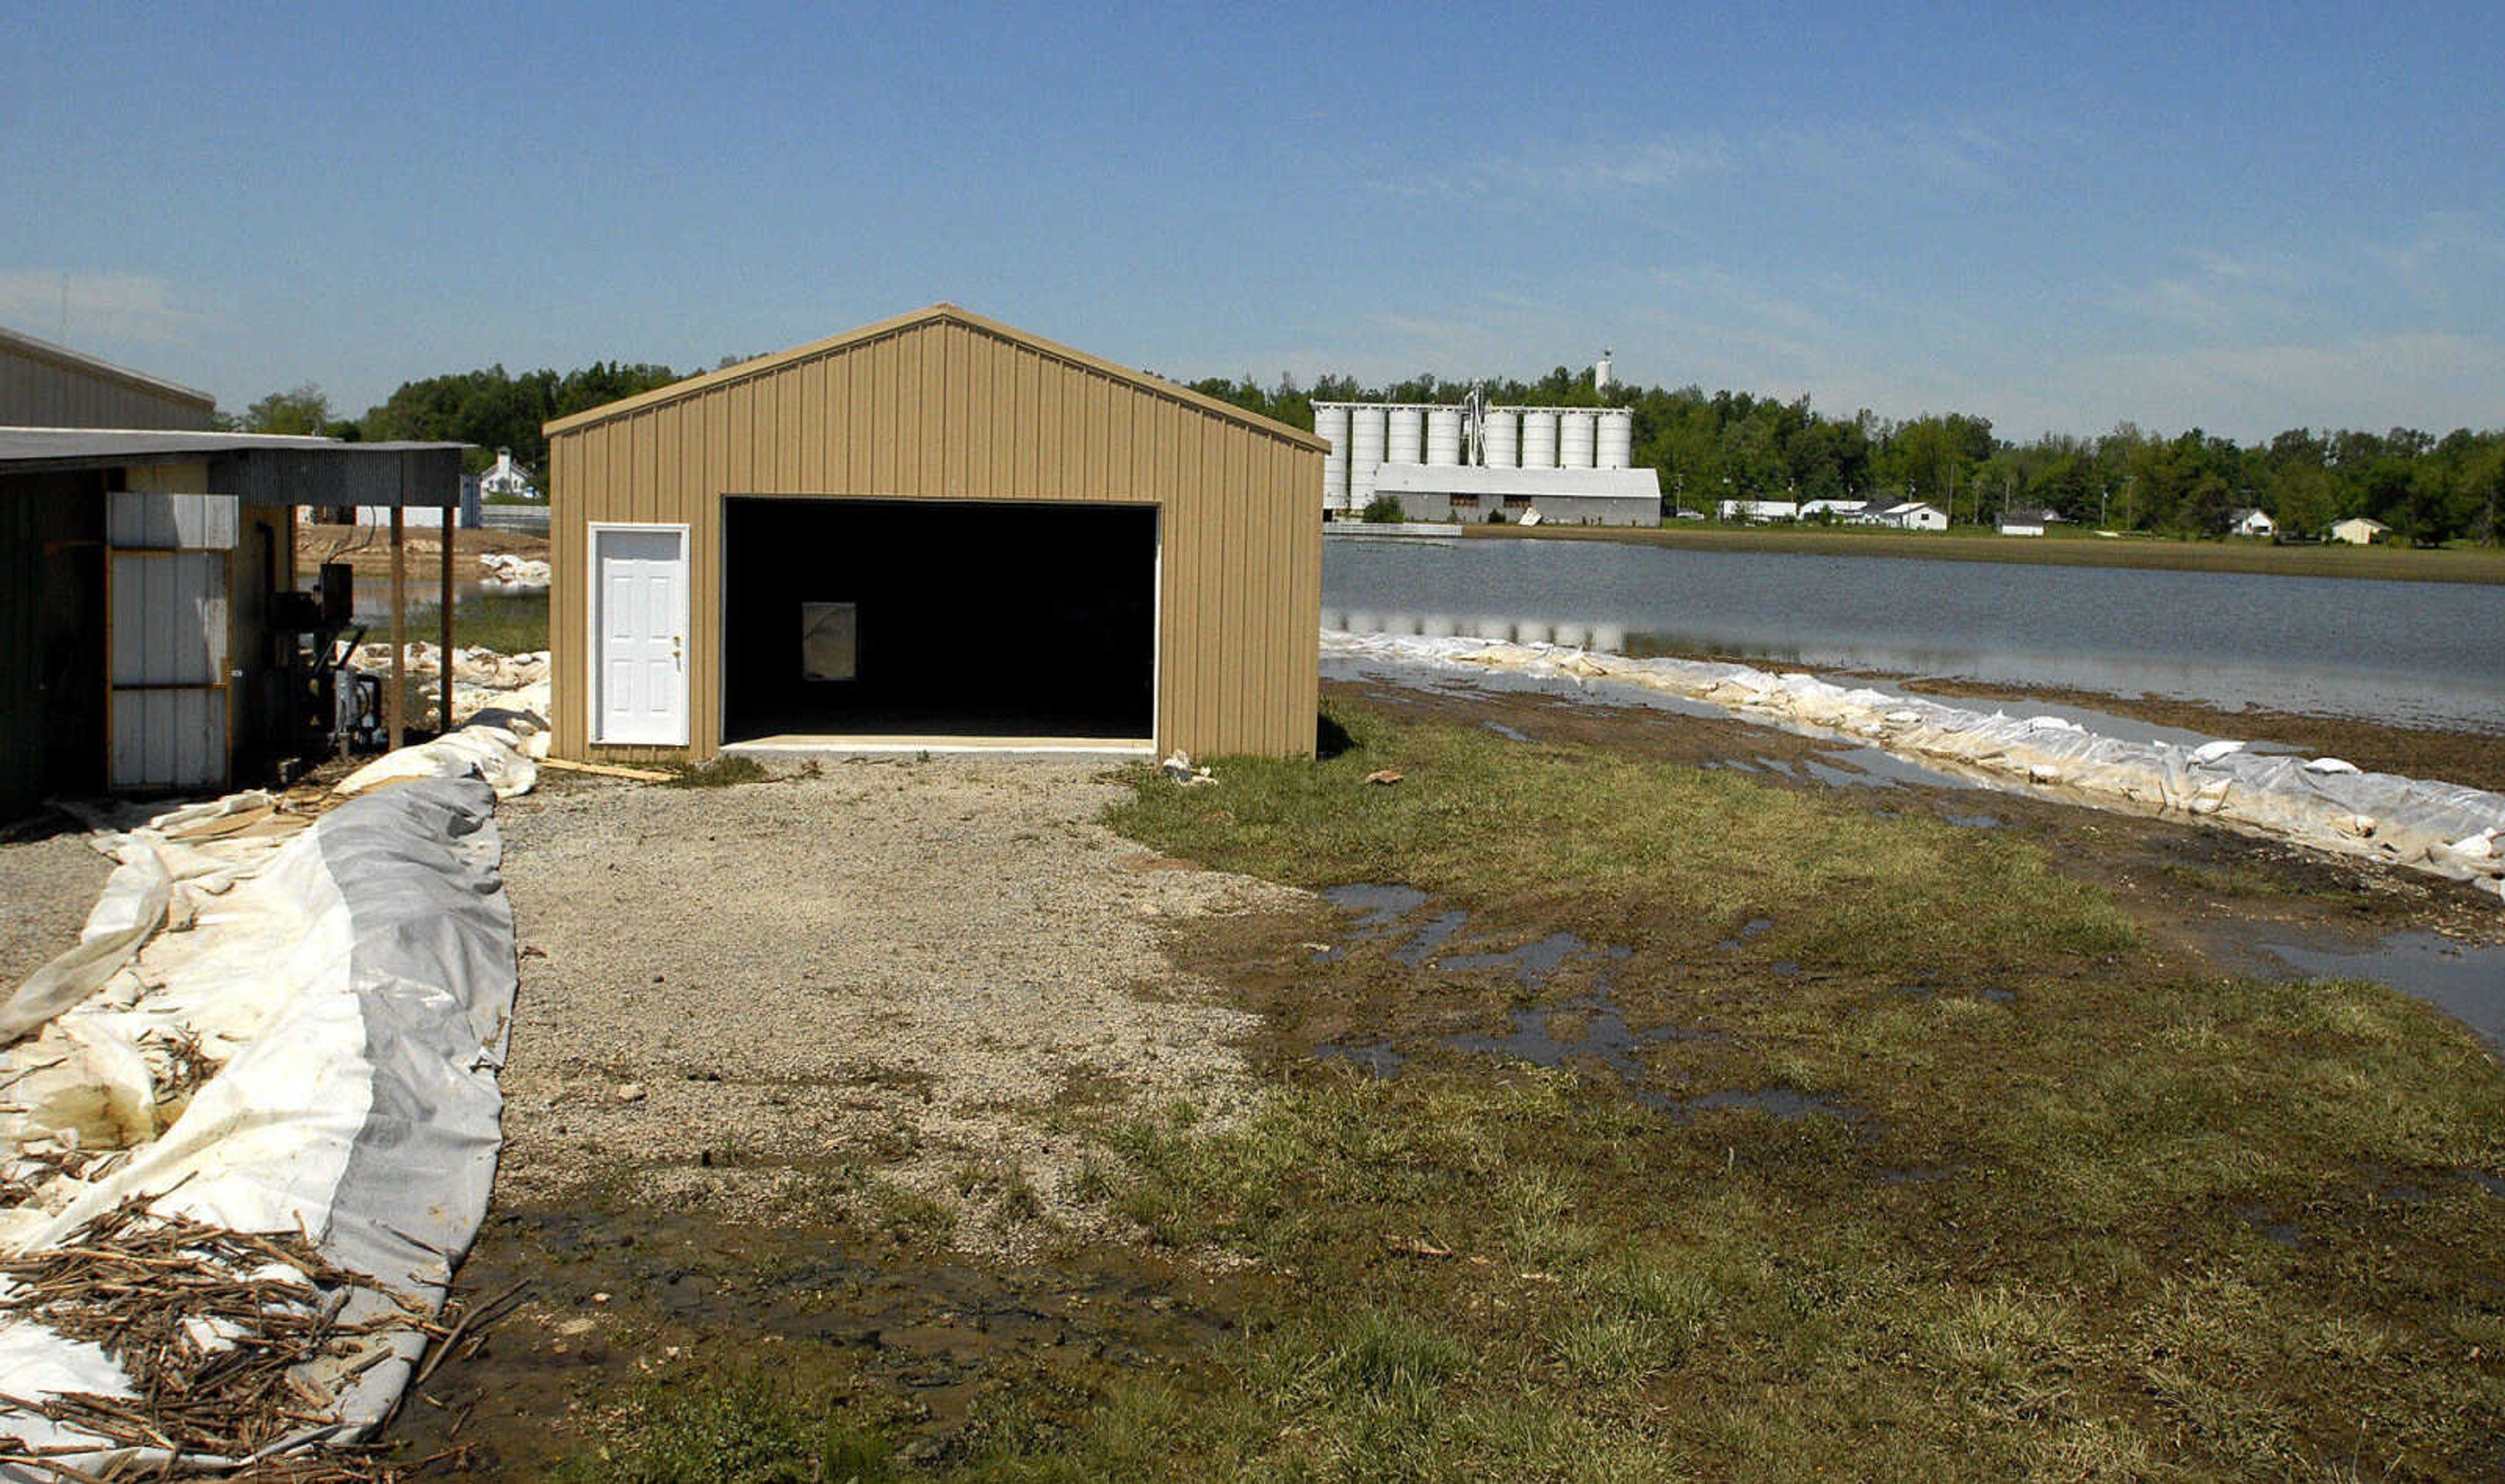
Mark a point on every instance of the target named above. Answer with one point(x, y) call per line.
point(1593, 1030)
point(2465, 981)
point(1378, 907)
point(1507, 732)
point(1777, 766)
point(1437, 932)
point(1531, 964)
point(1787, 969)
point(2000, 995)
point(1885, 767)
point(1838, 778)
point(1784, 1103)
point(2258, 1217)
point(2493, 1184)
point(1973, 821)
point(1752, 928)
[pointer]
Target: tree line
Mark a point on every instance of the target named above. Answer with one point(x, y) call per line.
point(489, 409)
point(1723, 446)
point(1709, 447)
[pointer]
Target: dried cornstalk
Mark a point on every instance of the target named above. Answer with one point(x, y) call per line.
point(209, 1325)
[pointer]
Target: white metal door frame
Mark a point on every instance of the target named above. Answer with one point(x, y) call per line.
point(592, 686)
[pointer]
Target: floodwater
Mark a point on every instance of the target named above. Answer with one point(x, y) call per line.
point(2464, 981)
point(2426, 654)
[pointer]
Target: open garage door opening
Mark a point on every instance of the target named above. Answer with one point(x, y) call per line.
point(904, 621)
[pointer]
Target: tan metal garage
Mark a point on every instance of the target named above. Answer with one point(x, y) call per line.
point(935, 531)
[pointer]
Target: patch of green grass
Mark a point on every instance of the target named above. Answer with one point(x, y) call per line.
point(2039, 1242)
point(507, 623)
point(720, 773)
point(1482, 819)
point(751, 1428)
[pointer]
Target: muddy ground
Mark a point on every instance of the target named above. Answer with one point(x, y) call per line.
point(368, 550)
point(903, 1233)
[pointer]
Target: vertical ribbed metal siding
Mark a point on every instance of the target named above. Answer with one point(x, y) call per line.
point(37, 391)
point(941, 410)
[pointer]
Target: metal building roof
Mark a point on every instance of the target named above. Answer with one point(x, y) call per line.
point(63, 355)
point(942, 313)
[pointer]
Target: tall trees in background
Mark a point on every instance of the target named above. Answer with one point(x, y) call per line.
point(492, 410)
point(1734, 446)
point(1711, 446)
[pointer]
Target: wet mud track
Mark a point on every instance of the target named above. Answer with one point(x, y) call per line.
point(914, 1339)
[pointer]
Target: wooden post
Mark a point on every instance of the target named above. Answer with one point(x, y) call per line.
point(443, 597)
point(392, 699)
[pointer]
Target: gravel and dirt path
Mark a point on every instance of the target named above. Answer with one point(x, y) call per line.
point(871, 984)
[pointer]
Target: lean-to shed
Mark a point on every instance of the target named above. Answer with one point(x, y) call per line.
point(932, 531)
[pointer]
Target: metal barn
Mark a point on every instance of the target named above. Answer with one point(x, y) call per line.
point(935, 532)
point(42, 385)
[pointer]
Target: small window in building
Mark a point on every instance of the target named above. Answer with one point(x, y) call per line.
point(827, 635)
point(1466, 502)
point(1517, 501)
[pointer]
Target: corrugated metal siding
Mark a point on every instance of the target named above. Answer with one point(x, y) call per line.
point(941, 409)
point(169, 568)
point(41, 390)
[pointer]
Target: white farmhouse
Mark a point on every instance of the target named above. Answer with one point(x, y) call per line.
point(2358, 530)
point(2252, 522)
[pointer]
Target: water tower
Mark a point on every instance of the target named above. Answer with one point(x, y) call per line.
point(1600, 371)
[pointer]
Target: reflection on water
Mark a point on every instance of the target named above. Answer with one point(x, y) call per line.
point(2416, 653)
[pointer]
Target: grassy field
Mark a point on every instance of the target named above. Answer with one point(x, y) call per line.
point(506, 623)
point(1871, 1147)
point(2081, 549)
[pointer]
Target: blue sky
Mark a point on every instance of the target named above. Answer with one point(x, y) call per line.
point(2241, 218)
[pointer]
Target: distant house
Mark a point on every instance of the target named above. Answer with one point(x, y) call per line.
point(2021, 523)
point(508, 479)
point(1758, 511)
point(2358, 531)
point(1911, 515)
point(1841, 509)
point(2251, 523)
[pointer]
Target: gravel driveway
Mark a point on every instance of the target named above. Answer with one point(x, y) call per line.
point(48, 883)
point(880, 984)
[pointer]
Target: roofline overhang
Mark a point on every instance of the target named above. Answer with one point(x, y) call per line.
point(940, 314)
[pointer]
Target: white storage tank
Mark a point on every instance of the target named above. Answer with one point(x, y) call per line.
point(1331, 422)
point(1445, 437)
point(1365, 453)
point(1407, 444)
point(1502, 431)
point(1617, 439)
point(1539, 437)
point(1574, 439)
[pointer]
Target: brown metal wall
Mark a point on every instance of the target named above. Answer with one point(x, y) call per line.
point(39, 390)
point(949, 407)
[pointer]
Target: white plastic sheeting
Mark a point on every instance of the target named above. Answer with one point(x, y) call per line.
point(2440, 828)
point(352, 983)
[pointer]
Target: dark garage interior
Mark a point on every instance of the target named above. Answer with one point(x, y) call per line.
point(938, 619)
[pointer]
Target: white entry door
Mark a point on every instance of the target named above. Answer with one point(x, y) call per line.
point(638, 599)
